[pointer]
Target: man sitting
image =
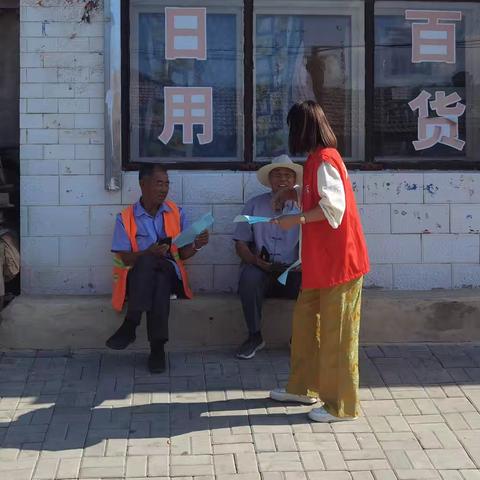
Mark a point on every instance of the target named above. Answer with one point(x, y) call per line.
point(148, 265)
point(266, 251)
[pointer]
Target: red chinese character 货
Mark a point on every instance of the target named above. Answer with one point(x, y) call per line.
point(442, 128)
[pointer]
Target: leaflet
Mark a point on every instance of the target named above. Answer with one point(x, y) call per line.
point(190, 233)
point(251, 219)
point(283, 277)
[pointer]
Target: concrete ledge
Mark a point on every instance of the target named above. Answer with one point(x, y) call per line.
point(211, 321)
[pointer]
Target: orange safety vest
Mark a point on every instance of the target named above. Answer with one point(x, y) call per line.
point(171, 221)
point(331, 256)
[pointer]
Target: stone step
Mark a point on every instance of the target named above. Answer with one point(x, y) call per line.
point(216, 321)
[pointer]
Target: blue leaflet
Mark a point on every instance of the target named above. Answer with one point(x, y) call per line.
point(189, 234)
point(251, 219)
point(283, 277)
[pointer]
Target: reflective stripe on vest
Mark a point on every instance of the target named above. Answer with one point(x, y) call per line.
point(171, 223)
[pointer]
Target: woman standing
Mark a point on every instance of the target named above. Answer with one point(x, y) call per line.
point(324, 353)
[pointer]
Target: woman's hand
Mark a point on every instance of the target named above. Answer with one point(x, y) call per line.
point(286, 222)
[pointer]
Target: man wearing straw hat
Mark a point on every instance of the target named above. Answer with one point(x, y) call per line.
point(266, 250)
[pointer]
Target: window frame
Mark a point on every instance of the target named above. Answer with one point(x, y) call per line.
point(332, 7)
point(472, 142)
point(117, 121)
point(214, 6)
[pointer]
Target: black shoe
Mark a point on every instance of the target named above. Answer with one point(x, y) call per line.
point(123, 337)
point(156, 360)
point(250, 347)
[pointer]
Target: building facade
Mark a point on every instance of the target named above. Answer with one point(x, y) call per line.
point(204, 87)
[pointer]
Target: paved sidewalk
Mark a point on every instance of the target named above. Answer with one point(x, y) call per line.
point(94, 415)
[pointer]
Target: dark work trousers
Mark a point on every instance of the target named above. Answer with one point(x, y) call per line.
point(255, 285)
point(150, 283)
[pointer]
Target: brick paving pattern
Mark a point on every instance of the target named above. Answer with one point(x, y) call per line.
point(96, 415)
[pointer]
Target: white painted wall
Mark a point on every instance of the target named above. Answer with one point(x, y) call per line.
point(423, 228)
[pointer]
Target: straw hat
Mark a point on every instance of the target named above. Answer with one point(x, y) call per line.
point(283, 161)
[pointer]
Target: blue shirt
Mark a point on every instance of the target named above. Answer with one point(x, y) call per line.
point(282, 245)
point(149, 230)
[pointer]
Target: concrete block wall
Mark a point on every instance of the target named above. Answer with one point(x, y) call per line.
point(423, 228)
point(64, 205)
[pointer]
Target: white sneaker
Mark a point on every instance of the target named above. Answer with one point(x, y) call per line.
point(280, 395)
point(322, 416)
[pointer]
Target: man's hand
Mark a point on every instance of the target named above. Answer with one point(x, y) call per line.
point(201, 240)
point(266, 266)
point(159, 250)
point(287, 221)
point(189, 250)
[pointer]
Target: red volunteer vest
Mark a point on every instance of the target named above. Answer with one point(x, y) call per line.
point(331, 256)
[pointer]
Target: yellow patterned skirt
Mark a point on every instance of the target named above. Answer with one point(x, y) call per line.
point(324, 352)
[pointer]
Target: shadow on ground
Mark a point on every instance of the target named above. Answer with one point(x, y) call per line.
point(54, 401)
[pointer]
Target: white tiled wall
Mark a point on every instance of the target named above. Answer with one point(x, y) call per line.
point(422, 228)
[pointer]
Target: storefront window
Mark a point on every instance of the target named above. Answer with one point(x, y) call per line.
point(209, 83)
point(316, 54)
point(427, 60)
point(185, 83)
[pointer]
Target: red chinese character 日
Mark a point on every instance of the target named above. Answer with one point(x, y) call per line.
point(433, 40)
point(185, 33)
point(188, 106)
point(443, 128)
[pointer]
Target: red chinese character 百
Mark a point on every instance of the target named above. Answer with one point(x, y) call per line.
point(188, 106)
point(434, 39)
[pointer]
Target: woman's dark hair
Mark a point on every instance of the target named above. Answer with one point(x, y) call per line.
point(147, 169)
point(309, 128)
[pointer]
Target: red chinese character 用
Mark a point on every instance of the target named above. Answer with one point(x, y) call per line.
point(440, 129)
point(188, 106)
point(185, 33)
point(434, 39)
